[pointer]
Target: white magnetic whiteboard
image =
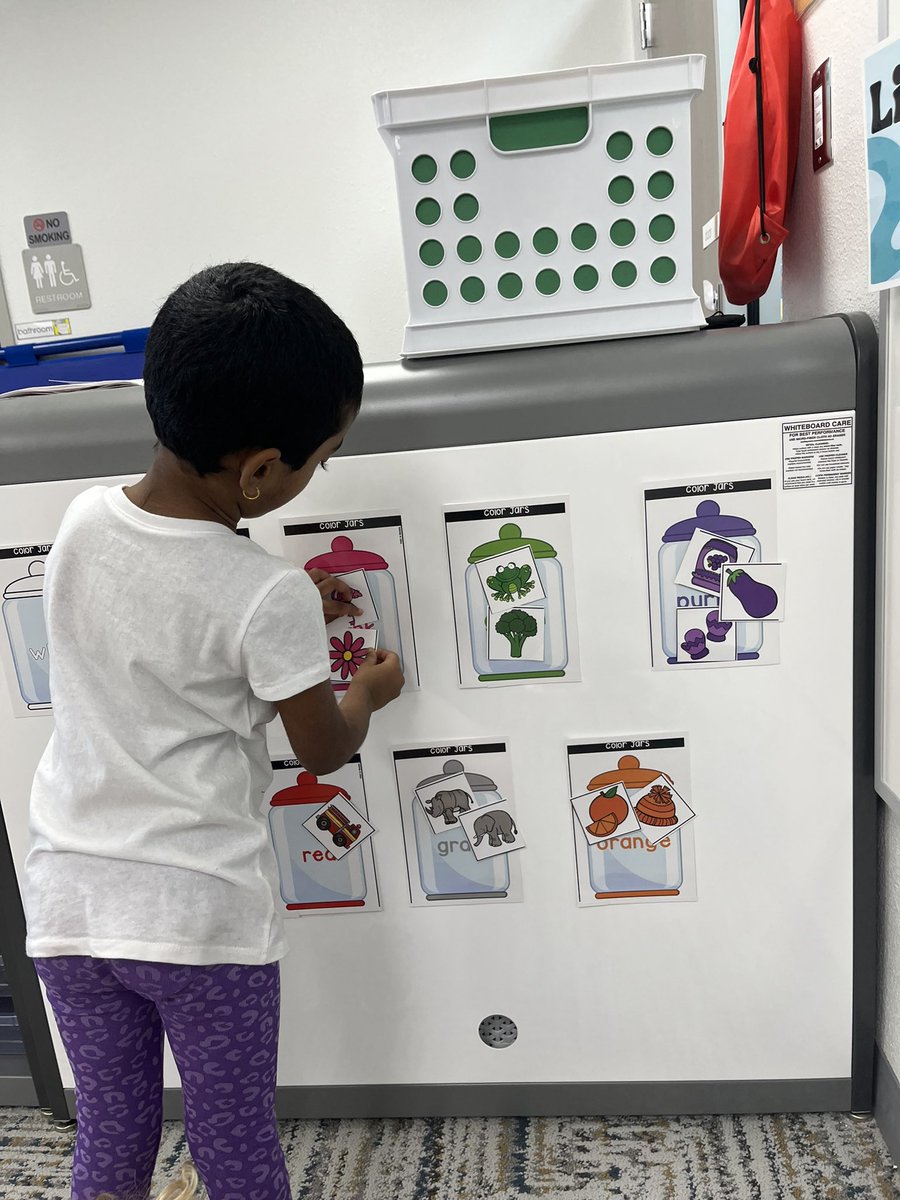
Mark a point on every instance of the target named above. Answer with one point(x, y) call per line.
point(751, 982)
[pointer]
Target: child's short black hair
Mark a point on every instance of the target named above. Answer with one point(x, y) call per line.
point(241, 357)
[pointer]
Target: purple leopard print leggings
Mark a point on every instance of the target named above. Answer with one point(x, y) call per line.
point(222, 1026)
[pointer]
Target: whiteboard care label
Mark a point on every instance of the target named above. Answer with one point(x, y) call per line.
point(817, 453)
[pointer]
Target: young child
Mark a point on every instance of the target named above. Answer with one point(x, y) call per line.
point(151, 889)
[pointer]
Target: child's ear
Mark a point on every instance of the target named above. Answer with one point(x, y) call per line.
point(256, 467)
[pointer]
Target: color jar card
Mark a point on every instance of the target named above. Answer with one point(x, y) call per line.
point(647, 857)
point(442, 867)
point(695, 531)
point(23, 638)
point(317, 876)
point(366, 549)
point(513, 588)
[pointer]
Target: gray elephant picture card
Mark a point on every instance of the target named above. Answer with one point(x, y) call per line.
point(492, 829)
point(444, 799)
point(339, 826)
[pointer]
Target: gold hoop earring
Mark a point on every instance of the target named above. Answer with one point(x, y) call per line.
point(246, 497)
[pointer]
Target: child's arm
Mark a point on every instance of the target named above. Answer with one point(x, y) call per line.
point(324, 734)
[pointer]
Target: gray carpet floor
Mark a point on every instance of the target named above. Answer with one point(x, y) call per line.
point(806, 1157)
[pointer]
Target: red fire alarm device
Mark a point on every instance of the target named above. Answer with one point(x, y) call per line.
point(821, 116)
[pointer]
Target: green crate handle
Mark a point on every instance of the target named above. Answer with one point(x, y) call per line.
point(541, 129)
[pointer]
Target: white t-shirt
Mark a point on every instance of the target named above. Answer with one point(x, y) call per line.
point(169, 641)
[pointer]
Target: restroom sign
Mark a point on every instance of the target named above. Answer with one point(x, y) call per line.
point(48, 229)
point(56, 278)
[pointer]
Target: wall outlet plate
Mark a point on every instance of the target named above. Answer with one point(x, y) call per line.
point(821, 116)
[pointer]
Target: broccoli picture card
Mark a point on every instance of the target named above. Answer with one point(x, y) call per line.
point(518, 632)
point(512, 584)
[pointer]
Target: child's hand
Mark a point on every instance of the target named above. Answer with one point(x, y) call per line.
point(381, 676)
point(336, 595)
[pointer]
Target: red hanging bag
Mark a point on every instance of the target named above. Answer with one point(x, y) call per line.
point(762, 133)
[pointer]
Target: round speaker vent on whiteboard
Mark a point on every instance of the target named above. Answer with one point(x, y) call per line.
point(498, 1031)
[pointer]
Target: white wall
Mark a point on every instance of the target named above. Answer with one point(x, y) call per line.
point(826, 254)
point(177, 134)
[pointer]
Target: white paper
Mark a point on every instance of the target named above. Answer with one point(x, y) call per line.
point(664, 787)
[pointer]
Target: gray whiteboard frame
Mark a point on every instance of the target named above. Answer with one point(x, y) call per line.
point(828, 365)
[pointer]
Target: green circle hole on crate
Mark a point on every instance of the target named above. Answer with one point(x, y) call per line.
point(619, 145)
point(469, 249)
point(428, 211)
point(624, 274)
point(662, 228)
point(584, 236)
point(434, 293)
point(506, 244)
point(620, 189)
point(431, 253)
point(621, 233)
point(661, 185)
point(586, 278)
point(472, 289)
point(662, 270)
point(545, 240)
point(424, 168)
point(465, 207)
point(659, 141)
point(509, 286)
point(462, 164)
point(547, 282)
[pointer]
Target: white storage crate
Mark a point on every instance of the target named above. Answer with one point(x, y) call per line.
point(546, 208)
